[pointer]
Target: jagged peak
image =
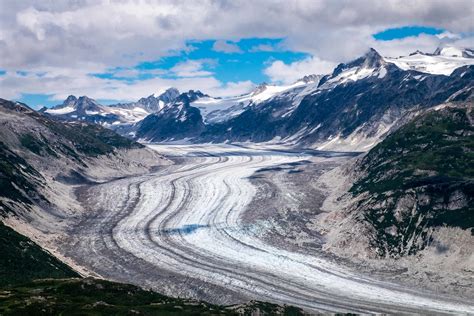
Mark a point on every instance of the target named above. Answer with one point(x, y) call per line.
point(169, 95)
point(371, 59)
point(85, 98)
point(171, 90)
point(310, 78)
point(417, 52)
point(83, 102)
point(190, 96)
point(71, 98)
point(260, 88)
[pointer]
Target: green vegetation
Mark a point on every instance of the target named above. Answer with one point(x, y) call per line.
point(440, 144)
point(89, 139)
point(418, 178)
point(95, 297)
point(100, 297)
point(21, 260)
point(37, 146)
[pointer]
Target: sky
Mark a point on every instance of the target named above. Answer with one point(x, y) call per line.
point(118, 51)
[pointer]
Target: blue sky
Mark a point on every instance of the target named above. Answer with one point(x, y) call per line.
point(245, 63)
point(406, 31)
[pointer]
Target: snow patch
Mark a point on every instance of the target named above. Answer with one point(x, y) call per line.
point(60, 111)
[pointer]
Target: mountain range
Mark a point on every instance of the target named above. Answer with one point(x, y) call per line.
point(352, 108)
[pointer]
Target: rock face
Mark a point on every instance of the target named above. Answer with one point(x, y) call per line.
point(177, 120)
point(351, 109)
point(152, 103)
point(85, 109)
point(40, 157)
point(417, 180)
point(117, 116)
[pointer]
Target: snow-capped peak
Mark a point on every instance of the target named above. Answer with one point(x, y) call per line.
point(260, 88)
point(73, 104)
point(369, 65)
point(442, 62)
point(168, 96)
point(449, 51)
point(70, 100)
point(310, 78)
point(371, 59)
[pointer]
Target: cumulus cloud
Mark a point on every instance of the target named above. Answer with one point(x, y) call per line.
point(278, 71)
point(70, 39)
point(126, 32)
point(226, 47)
point(191, 68)
point(59, 87)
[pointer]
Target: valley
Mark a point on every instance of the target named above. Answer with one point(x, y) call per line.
point(232, 158)
point(196, 229)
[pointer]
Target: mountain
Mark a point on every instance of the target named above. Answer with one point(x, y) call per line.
point(116, 116)
point(218, 110)
point(351, 109)
point(152, 103)
point(41, 158)
point(442, 62)
point(85, 109)
point(450, 51)
point(176, 120)
point(414, 190)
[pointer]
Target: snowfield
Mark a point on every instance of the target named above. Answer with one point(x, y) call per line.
point(179, 230)
point(216, 110)
point(443, 64)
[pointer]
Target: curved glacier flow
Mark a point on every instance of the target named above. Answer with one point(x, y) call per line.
point(183, 223)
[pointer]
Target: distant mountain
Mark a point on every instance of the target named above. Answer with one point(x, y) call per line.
point(176, 120)
point(417, 181)
point(116, 116)
point(450, 51)
point(353, 108)
point(152, 103)
point(218, 110)
point(85, 109)
point(442, 62)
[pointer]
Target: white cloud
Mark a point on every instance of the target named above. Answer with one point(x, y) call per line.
point(448, 35)
point(123, 33)
point(423, 42)
point(191, 68)
point(60, 86)
point(278, 71)
point(69, 39)
point(263, 48)
point(226, 47)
